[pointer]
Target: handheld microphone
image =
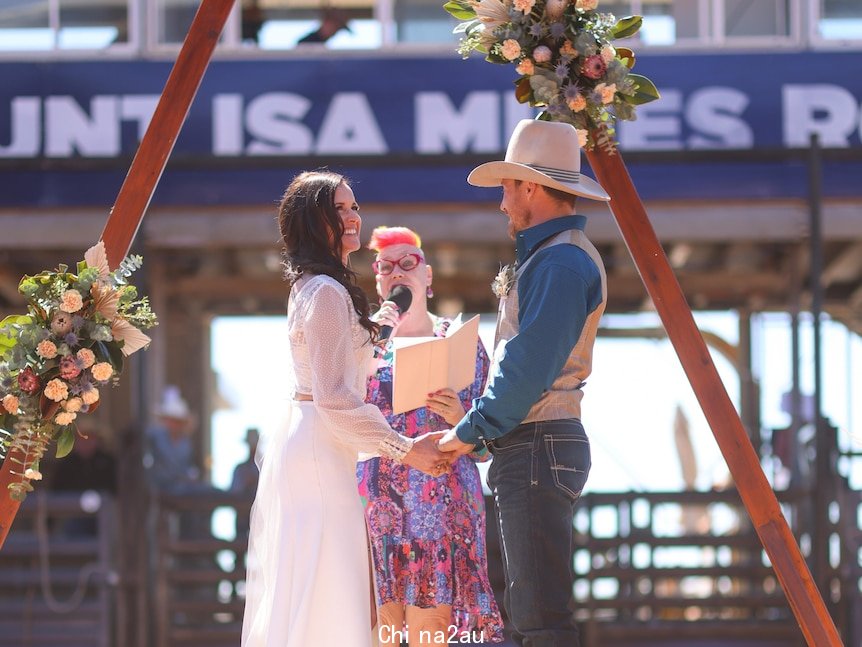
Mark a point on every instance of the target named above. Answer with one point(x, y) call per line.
point(402, 297)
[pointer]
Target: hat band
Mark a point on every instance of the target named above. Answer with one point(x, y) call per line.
point(557, 173)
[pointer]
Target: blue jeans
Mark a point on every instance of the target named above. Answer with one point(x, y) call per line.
point(537, 475)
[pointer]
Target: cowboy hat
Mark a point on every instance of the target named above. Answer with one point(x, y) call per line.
point(173, 405)
point(544, 152)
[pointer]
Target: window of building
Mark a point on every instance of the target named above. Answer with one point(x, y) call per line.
point(36, 25)
point(840, 20)
point(757, 18)
point(310, 24)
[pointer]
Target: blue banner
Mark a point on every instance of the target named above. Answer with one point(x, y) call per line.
point(394, 109)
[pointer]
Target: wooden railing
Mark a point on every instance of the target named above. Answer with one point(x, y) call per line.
point(198, 601)
point(57, 579)
point(678, 568)
point(662, 568)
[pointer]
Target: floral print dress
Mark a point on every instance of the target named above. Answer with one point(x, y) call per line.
point(427, 533)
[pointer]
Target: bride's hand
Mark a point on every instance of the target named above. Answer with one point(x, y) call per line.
point(425, 455)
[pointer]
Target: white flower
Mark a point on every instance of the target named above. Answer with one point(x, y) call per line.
point(587, 5)
point(90, 396)
point(608, 53)
point(33, 475)
point(524, 6)
point(73, 405)
point(504, 281)
point(491, 13)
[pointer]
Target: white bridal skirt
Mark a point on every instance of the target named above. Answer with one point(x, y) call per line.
point(308, 574)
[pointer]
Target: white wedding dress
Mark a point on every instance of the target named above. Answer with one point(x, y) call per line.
point(308, 570)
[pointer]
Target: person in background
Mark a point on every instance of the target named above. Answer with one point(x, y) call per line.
point(530, 413)
point(308, 582)
point(332, 21)
point(427, 532)
point(170, 460)
point(244, 480)
point(252, 21)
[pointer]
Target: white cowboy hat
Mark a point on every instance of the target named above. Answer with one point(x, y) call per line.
point(544, 152)
point(173, 405)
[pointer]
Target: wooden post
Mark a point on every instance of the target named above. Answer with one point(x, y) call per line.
point(146, 169)
point(729, 432)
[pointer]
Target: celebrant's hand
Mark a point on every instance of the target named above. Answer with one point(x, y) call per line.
point(445, 403)
point(427, 457)
point(389, 315)
point(451, 443)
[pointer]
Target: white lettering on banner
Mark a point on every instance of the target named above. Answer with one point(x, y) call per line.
point(658, 126)
point(273, 119)
point(68, 129)
point(349, 128)
point(273, 123)
point(25, 138)
point(830, 111)
point(441, 127)
point(227, 125)
point(714, 113)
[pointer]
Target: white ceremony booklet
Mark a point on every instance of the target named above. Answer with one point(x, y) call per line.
point(422, 365)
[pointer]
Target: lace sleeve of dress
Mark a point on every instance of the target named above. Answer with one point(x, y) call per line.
point(335, 380)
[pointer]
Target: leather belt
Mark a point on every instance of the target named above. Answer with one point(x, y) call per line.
point(303, 397)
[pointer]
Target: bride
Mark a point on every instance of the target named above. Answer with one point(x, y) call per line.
point(308, 570)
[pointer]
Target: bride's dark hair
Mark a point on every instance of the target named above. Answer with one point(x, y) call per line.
point(311, 231)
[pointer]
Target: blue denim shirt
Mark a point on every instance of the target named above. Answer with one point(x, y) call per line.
point(551, 317)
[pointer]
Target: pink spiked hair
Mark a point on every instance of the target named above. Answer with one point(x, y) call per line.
point(383, 237)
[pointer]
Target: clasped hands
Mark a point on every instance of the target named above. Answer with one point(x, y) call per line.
point(434, 453)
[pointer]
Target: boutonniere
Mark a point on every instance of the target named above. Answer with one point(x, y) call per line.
point(504, 281)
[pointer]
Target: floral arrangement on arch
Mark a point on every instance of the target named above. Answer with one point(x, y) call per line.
point(563, 55)
point(55, 359)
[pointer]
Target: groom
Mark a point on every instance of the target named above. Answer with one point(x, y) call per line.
point(529, 414)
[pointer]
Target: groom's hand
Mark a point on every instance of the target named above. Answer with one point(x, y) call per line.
point(451, 443)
